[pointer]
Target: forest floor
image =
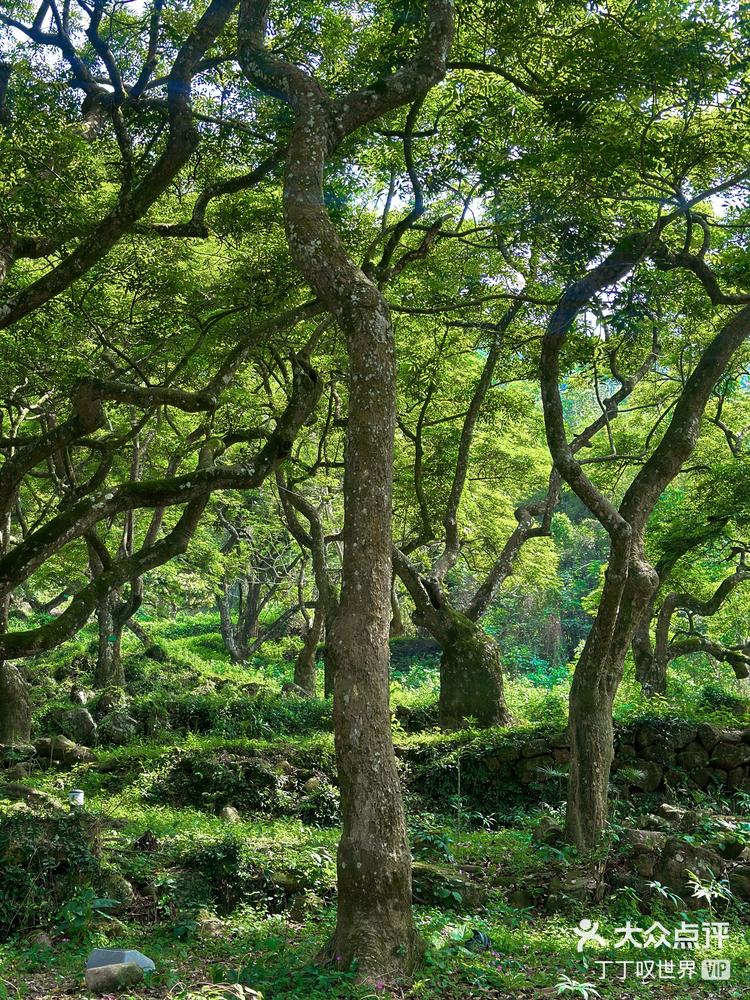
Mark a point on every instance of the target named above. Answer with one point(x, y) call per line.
point(230, 904)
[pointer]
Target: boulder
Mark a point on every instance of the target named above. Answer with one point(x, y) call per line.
point(230, 814)
point(702, 776)
point(640, 841)
point(560, 741)
point(535, 748)
point(709, 735)
point(116, 887)
point(80, 696)
point(645, 774)
point(101, 957)
point(313, 784)
point(648, 735)
point(111, 699)
point(521, 899)
point(532, 768)
point(294, 691)
point(683, 735)
point(693, 756)
point(500, 756)
point(109, 978)
point(679, 858)
point(433, 884)
point(79, 725)
point(547, 831)
point(118, 729)
point(61, 750)
point(729, 756)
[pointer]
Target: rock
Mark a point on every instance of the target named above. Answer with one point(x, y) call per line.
point(561, 756)
point(737, 777)
point(208, 927)
point(709, 735)
point(40, 940)
point(433, 884)
point(686, 820)
point(101, 957)
point(116, 887)
point(19, 771)
point(521, 899)
point(693, 756)
point(651, 822)
point(61, 750)
point(730, 847)
point(560, 741)
point(548, 831)
point(303, 904)
point(118, 729)
point(79, 725)
point(645, 774)
point(230, 814)
point(683, 735)
point(501, 756)
point(531, 768)
point(107, 978)
point(739, 882)
point(110, 700)
point(535, 748)
point(644, 840)
point(648, 735)
point(80, 696)
point(729, 756)
point(284, 767)
point(34, 797)
point(312, 785)
point(645, 865)
point(581, 888)
point(294, 691)
point(702, 776)
point(679, 858)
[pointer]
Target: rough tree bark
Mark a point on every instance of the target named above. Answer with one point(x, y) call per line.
point(109, 669)
point(15, 707)
point(375, 926)
point(305, 666)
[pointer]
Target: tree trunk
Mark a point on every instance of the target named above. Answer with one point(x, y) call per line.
point(471, 678)
point(374, 925)
point(237, 650)
point(629, 586)
point(305, 667)
point(397, 627)
point(15, 707)
point(109, 670)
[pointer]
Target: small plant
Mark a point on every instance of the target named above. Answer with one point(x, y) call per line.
point(585, 990)
point(710, 889)
point(666, 893)
point(76, 917)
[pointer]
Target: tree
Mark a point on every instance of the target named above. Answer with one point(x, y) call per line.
point(630, 580)
point(375, 925)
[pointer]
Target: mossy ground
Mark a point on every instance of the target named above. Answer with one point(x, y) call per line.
point(261, 932)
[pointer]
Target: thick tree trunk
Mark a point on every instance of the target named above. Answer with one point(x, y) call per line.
point(305, 667)
point(471, 678)
point(109, 670)
point(375, 925)
point(15, 707)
